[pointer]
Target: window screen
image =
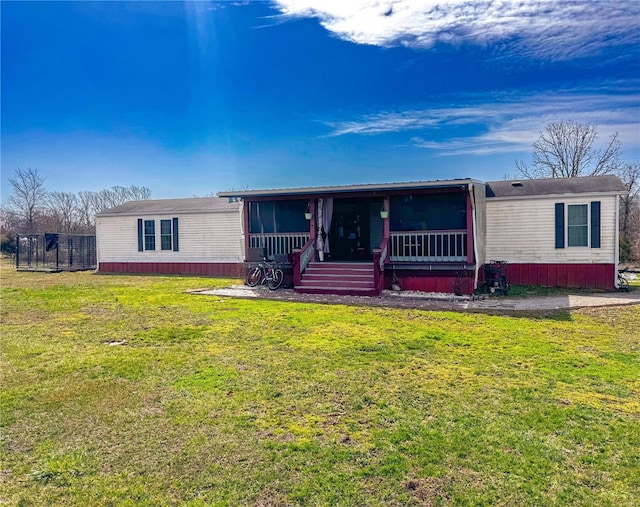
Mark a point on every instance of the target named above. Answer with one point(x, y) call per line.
point(429, 212)
point(278, 216)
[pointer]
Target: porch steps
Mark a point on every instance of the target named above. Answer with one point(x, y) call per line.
point(342, 278)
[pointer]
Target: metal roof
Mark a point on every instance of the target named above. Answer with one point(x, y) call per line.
point(338, 189)
point(172, 206)
point(509, 188)
point(553, 186)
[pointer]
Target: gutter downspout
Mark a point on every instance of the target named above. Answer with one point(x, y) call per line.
point(616, 256)
point(98, 252)
point(475, 235)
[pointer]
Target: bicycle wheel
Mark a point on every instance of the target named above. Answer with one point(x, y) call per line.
point(623, 283)
point(254, 277)
point(277, 277)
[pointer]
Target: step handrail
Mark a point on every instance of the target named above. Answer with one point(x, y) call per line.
point(379, 258)
point(301, 259)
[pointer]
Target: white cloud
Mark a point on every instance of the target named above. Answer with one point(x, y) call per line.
point(504, 123)
point(552, 29)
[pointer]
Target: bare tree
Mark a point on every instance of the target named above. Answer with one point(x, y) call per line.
point(629, 211)
point(566, 150)
point(28, 197)
point(86, 211)
point(92, 203)
point(31, 209)
point(63, 206)
point(138, 193)
point(114, 196)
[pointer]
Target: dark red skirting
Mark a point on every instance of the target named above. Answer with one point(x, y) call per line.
point(434, 281)
point(223, 269)
point(585, 276)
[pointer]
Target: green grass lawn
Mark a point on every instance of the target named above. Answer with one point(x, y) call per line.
point(124, 390)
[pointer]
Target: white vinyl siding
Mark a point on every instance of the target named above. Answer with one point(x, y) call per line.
point(522, 230)
point(204, 237)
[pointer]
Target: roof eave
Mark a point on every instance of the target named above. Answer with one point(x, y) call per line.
point(350, 189)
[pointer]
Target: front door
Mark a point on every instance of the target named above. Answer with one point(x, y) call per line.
point(350, 235)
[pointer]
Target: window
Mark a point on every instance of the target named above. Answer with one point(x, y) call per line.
point(278, 216)
point(168, 234)
point(165, 235)
point(149, 235)
point(429, 212)
point(577, 225)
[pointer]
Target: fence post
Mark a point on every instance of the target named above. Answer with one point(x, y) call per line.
point(17, 252)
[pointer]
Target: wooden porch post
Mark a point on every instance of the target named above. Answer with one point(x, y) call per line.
point(312, 225)
point(469, 229)
point(387, 226)
point(245, 218)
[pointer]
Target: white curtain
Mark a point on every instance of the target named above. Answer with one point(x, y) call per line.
point(326, 220)
point(320, 241)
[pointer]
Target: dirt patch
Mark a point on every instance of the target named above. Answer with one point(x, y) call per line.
point(427, 492)
point(438, 302)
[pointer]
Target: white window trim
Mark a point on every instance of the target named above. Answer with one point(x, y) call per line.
point(170, 249)
point(145, 235)
point(566, 224)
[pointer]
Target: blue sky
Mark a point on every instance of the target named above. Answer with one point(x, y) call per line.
point(197, 97)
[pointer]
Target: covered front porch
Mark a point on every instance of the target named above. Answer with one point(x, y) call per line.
point(362, 239)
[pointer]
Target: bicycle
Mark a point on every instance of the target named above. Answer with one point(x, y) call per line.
point(623, 283)
point(265, 272)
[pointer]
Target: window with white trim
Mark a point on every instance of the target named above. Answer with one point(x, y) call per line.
point(168, 234)
point(577, 225)
point(149, 235)
point(166, 242)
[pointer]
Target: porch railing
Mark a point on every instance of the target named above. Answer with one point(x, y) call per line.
point(428, 246)
point(379, 258)
point(280, 243)
point(301, 259)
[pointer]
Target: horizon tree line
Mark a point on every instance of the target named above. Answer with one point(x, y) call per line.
point(32, 209)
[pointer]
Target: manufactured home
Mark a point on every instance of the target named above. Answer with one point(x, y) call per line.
point(359, 239)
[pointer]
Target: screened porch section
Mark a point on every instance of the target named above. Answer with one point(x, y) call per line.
point(278, 227)
point(428, 227)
